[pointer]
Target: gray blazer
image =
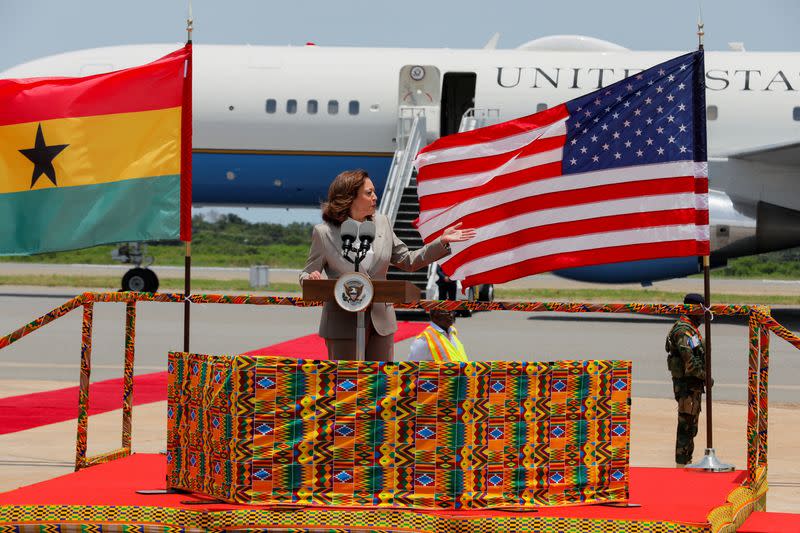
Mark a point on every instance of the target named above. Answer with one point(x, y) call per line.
point(325, 256)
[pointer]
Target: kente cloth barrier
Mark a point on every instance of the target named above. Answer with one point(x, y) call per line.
point(267, 430)
point(460, 305)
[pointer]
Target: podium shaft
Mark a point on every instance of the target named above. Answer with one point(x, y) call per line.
point(361, 336)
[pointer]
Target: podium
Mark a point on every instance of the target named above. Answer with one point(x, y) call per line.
point(355, 292)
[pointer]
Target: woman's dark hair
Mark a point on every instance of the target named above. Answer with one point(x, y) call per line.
point(341, 194)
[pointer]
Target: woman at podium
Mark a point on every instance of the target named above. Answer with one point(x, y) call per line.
point(352, 195)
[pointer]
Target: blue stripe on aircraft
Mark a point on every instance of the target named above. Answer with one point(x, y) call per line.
point(634, 271)
point(275, 179)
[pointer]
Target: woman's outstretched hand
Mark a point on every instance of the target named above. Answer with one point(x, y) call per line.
point(314, 275)
point(455, 234)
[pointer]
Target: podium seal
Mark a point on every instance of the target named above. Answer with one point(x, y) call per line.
point(353, 291)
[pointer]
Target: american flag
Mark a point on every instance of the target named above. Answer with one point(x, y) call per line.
point(615, 175)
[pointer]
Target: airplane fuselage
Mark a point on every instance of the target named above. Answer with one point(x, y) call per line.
point(274, 125)
point(244, 154)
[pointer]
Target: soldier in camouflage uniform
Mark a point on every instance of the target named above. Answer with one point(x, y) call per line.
point(687, 364)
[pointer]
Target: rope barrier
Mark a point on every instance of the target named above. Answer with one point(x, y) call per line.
point(776, 328)
point(426, 305)
point(452, 305)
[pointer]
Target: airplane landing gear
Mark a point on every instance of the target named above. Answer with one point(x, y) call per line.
point(140, 278)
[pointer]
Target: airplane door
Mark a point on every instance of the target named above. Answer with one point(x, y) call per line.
point(458, 95)
point(419, 87)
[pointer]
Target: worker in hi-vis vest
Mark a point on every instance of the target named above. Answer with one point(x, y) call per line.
point(439, 341)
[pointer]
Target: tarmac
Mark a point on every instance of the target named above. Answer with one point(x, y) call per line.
point(45, 452)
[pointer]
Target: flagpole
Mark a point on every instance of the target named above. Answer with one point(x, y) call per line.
point(706, 278)
point(709, 462)
point(186, 189)
point(707, 320)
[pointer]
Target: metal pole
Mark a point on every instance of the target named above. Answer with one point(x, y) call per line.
point(361, 337)
point(709, 462)
point(186, 169)
point(187, 290)
point(709, 381)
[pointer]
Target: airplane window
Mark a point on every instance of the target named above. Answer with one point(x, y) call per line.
point(291, 106)
point(311, 107)
point(352, 107)
point(541, 107)
point(272, 105)
point(333, 107)
point(712, 112)
point(796, 113)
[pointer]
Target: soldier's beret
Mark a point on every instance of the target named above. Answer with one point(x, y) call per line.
point(694, 298)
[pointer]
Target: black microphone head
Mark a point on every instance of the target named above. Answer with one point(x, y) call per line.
point(349, 231)
point(366, 232)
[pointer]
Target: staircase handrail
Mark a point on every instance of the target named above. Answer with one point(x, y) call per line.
point(411, 130)
point(478, 117)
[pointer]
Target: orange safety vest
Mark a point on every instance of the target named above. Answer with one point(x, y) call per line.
point(442, 349)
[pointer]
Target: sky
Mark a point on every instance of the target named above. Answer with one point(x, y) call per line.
point(30, 29)
point(34, 28)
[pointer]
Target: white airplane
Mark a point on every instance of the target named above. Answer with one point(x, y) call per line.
point(273, 125)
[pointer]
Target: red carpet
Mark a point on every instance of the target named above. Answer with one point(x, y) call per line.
point(18, 413)
point(760, 522)
point(665, 494)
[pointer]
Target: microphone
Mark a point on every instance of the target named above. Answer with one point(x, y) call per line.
point(348, 232)
point(366, 234)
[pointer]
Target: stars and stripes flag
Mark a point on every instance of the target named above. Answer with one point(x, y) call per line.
point(612, 176)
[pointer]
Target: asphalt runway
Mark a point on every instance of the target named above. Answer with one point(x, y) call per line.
point(53, 352)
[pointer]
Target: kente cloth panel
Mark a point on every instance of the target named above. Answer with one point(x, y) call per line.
point(267, 430)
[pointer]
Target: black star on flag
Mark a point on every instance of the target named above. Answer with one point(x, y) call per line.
point(42, 157)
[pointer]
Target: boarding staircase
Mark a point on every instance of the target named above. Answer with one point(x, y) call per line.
point(399, 201)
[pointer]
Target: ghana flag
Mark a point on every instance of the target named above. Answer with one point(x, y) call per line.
point(94, 160)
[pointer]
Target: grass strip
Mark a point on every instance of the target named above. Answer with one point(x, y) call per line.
point(165, 285)
point(546, 295)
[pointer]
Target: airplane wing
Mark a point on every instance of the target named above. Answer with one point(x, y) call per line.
point(783, 154)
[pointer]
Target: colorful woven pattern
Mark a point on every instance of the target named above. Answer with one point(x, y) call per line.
point(527, 307)
point(265, 430)
point(101, 519)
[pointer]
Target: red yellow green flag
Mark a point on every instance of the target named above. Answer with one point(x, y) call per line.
point(94, 160)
